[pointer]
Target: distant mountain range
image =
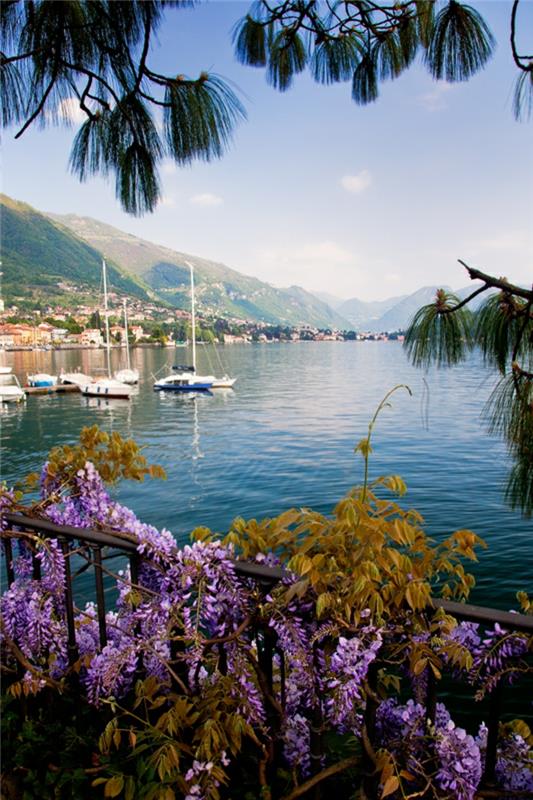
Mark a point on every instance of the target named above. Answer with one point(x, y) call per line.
point(220, 290)
point(44, 254)
point(41, 252)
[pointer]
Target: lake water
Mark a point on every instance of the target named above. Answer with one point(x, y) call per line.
point(285, 437)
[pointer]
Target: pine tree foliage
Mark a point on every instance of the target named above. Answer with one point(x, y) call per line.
point(364, 42)
point(56, 57)
point(435, 335)
point(369, 42)
point(461, 43)
point(442, 332)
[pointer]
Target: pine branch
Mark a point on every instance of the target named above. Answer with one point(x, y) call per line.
point(497, 283)
point(39, 108)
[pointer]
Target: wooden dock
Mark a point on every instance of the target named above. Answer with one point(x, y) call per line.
point(59, 388)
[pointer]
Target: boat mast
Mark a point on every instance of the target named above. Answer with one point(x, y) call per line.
point(126, 334)
point(193, 320)
point(107, 342)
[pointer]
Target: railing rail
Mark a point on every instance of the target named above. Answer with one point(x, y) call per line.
point(265, 576)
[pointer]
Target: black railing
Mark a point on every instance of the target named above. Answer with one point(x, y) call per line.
point(96, 541)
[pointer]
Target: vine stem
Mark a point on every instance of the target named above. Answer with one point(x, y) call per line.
point(365, 449)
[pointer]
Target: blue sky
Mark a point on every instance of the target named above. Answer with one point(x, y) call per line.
point(359, 202)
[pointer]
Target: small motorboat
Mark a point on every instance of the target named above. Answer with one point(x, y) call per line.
point(12, 392)
point(42, 379)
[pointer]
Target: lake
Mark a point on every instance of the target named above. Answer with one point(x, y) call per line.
point(285, 437)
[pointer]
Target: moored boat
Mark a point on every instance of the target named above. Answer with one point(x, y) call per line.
point(184, 378)
point(106, 387)
point(223, 383)
point(128, 375)
point(42, 379)
point(12, 392)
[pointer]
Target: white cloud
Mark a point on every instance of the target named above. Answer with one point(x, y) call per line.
point(357, 183)
point(206, 199)
point(69, 110)
point(434, 100)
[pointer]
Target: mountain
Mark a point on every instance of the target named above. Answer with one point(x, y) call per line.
point(220, 290)
point(363, 314)
point(41, 260)
point(398, 317)
point(330, 299)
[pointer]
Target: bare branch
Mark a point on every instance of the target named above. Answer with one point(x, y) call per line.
point(498, 283)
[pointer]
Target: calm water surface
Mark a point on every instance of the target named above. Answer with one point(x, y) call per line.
point(285, 437)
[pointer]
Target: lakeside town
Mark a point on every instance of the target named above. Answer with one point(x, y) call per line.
point(51, 326)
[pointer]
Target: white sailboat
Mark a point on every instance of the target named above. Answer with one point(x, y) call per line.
point(107, 387)
point(128, 375)
point(184, 378)
point(11, 390)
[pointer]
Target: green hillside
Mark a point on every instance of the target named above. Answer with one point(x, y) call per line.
point(38, 255)
point(221, 291)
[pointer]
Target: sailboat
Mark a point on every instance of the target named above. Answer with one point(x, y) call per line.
point(127, 375)
point(106, 387)
point(184, 378)
point(225, 382)
point(40, 379)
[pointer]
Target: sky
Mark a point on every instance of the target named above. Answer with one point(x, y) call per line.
point(368, 202)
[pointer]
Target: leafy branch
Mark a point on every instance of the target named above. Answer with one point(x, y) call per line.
point(444, 331)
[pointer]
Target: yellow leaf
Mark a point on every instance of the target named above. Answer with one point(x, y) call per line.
point(390, 786)
point(114, 786)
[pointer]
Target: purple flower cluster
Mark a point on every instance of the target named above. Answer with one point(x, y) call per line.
point(349, 668)
point(297, 743)
point(422, 749)
point(514, 762)
point(497, 654)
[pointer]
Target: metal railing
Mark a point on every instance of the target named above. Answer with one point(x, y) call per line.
point(96, 541)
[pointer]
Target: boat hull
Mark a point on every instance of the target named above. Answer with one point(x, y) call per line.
point(15, 395)
point(107, 389)
point(193, 387)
